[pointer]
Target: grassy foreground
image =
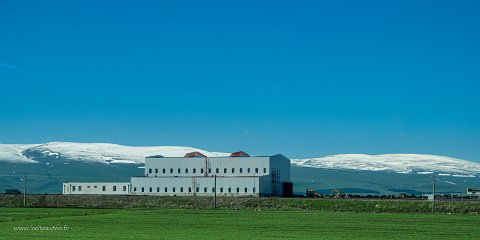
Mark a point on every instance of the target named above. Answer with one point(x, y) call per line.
point(230, 224)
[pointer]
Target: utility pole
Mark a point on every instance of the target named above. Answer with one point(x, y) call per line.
point(215, 192)
point(25, 190)
point(433, 195)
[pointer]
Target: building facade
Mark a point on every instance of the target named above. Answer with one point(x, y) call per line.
point(112, 188)
point(199, 175)
point(207, 176)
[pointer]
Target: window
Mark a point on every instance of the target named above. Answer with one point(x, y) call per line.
point(124, 188)
point(158, 189)
point(194, 170)
point(221, 189)
point(229, 190)
point(246, 189)
point(241, 170)
point(104, 188)
point(171, 170)
point(135, 189)
point(256, 170)
point(186, 170)
point(164, 170)
point(197, 189)
point(114, 188)
point(88, 186)
point(181, 189)
point(150, 189)
point(213, 189)
point(233, 170)
point(201, 170)
point(73, 188)
point(79, 188)
point(205, 190)
point(264, 170)
point(179, 170)
point(189, 189)
point(248, 170)
point(166, 189)
point(254, 190)
point(94, 186)
point(149, 170)
point(217, 171)
point(209, 170)
point(173, 189)
point(143, 190)
point(238, 190)
point(225, 170)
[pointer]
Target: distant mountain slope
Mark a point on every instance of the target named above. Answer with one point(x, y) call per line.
point(95, 152)
point(114, 153)
point(399, 163)
point(13, 153)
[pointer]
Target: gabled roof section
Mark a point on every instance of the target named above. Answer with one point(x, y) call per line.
point(194, 154)
point(239, 154)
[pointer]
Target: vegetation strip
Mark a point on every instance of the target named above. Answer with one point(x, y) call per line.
point(346, 205)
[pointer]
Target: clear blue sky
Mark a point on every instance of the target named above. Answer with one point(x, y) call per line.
point(303, 78)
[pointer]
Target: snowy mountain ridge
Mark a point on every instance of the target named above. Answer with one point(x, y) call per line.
point(94, 152)
point(400, 163)
point(114, 153)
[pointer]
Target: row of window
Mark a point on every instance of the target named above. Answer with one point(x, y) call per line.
point(197, 190)
point(104, 188)
point(194, 170)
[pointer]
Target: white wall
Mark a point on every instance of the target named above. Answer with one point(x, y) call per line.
point(158, 186)
point(281, 165)
point(120, 188)
point(154, 166)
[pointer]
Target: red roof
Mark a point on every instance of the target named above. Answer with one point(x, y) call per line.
point(194, 154)
point(239, 154)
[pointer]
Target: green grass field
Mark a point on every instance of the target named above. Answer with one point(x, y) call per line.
point(231, 224)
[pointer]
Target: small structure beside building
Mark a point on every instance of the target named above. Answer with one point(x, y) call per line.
point(106, 188)
point(473, 192)
point(428, 196)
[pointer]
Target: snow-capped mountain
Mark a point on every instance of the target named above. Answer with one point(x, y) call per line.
point(400, 163)
point(95, 152)
point(114, 153)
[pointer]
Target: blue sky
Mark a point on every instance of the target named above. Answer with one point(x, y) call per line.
point(303, 78)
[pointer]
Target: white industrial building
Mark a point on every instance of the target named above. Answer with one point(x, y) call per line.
point(198, 175)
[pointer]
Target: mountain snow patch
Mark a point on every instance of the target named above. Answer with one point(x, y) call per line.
point(400, 163)
point(13, 153)
point(97, 152)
